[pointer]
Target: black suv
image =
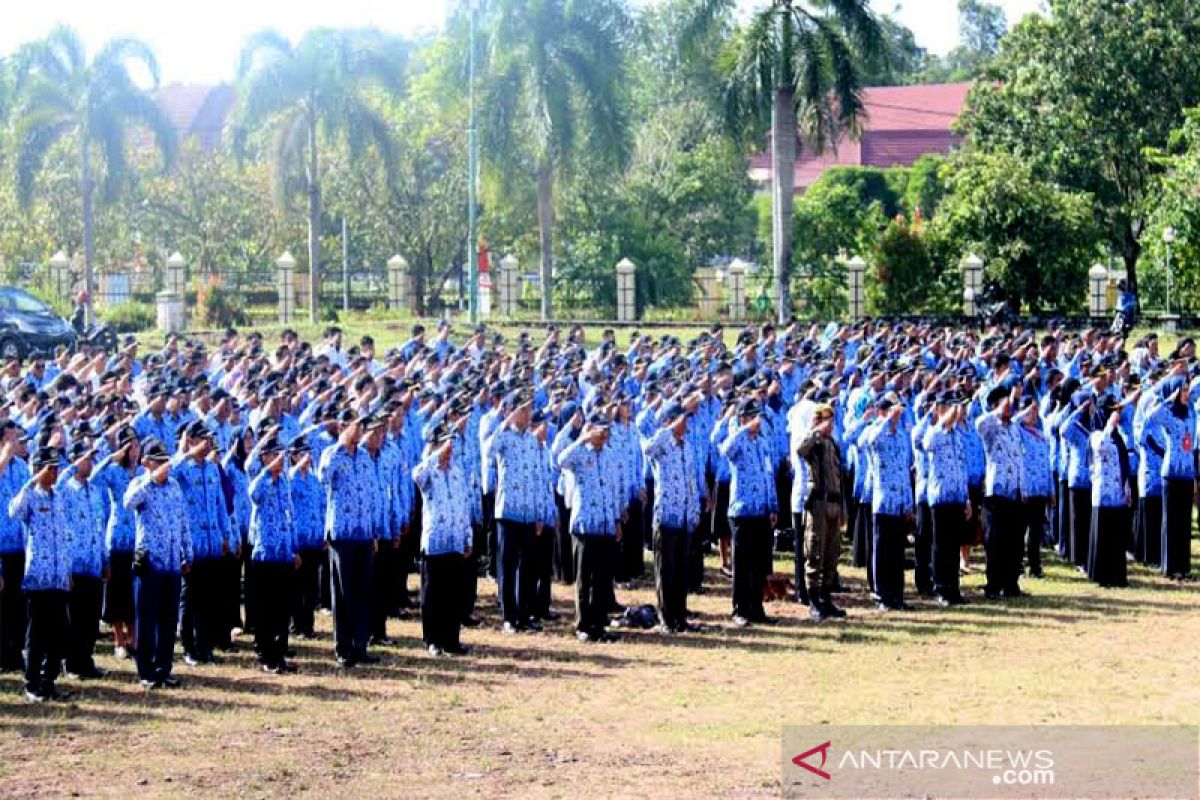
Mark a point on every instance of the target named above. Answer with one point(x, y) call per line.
point(28, 326)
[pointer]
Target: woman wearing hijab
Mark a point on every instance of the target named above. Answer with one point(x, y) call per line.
point(1173, 424)
point(1111, 492)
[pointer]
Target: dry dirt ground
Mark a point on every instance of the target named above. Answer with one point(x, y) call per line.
point(545, 716)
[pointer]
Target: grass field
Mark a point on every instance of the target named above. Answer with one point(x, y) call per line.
point(543, 715)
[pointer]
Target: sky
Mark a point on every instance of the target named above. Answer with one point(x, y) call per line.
point(197, 41)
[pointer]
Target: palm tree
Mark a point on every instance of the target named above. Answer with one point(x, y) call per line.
point(553, 82)
point(60, 95)
point(791, 69)
point(312, 90)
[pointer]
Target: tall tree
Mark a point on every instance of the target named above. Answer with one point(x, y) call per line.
point(792, 70)
point(1083, 97)
point(60, 94)
point(313, 89)
point(553, 82)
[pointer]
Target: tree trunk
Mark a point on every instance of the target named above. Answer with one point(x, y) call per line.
point(87, 187)
point(545, 201)
point(1130, 255)
point(783, 176)
point(314, 223)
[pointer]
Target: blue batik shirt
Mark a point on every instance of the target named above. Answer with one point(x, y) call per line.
point(678, 496)
point(1037, 480)
point(946, 460)
point(272, 535)
point(752, 474)
point(594, 487)
point(48, 535)
point(308, 508)
point(204, 502)
point(445, 518)
point(161, 522)
point(112, 480)
point(889, 458)
point(1075, 435)
point(162, 429)
point(1108, 476)
point(12, 535)
point(1176, 433)
point(517, 456)
point(1002, 448)
point(83, 509)
point(347, 480)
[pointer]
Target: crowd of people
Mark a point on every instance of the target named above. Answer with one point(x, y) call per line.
point(196, 491)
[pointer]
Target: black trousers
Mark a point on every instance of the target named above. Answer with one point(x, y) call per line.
point(887, 557)
point(351, 563)
point(406, 562)
point(199, 607)
point(694, 570)
point(156, 614)
point(1003, 529)
point(325, 583)
point(479, 551)
point(14, 611)
point(45, 637)
point(564, 544)
point(670, 558)
point(83, 610)
point(228, 593)
point(648, 516)
point(861, 546)
point(308, 589)
point(274, 582)
point(491, 532)
point(799, 560)
point(1035, 531)
point(923, 550)
point(1148, 547)
point(948, 524)
point(384, 579)
point(542, 559)
point(751, 555)
point(1062, 520)
point(632, 562)
point(1081, 526)
point(515, 570)
point(593, 581)
point(783, 491)
point(441, 599)
point(1177, 526)
point(720, 512)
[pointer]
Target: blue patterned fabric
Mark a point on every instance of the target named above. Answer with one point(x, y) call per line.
point(272, 534)
point(48, 548)
point(161, 522)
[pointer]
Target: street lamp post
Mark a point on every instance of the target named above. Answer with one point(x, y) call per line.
point(1169, 239)
point(472, 168)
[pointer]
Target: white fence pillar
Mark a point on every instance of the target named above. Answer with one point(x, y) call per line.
point(972, 269)
point(626, 291)
point(510, 285)
point(285, 273)
point(1098, 290)
point(856, 271)
point(737, 291)
point(60, 275)
point(397, 270)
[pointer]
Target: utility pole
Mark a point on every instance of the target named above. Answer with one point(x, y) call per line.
point(345, 267)
point(472, 170)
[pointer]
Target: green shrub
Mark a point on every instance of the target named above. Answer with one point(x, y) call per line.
point(129, 317)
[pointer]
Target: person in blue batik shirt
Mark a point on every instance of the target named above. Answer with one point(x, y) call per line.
point(273, 558)
point(346, 472)
point(14, 473)
point(199, 478)
point(1111, 490)
point(446, 538)
point(162, 555)
point(889, 456)
point(753, 510)
point(595, 524)
point(89, 559)
point(1002, 516)
point(948, 494)
point(112, 477)
point(519, 513)
point(39, 508)
point(1037, 482)
point(308, 510)
point(1173, 424)
point(679, 499)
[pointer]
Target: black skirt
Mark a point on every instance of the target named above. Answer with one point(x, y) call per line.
point(1106, 545)
point(1081, 519)
point(1177, 526)
point(118, 592)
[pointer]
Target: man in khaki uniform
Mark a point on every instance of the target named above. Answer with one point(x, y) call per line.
point(822, 539)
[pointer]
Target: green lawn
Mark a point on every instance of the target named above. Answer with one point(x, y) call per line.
point(542, 715)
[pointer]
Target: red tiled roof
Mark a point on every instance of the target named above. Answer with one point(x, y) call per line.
point(902, 124)
point(197, 110)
